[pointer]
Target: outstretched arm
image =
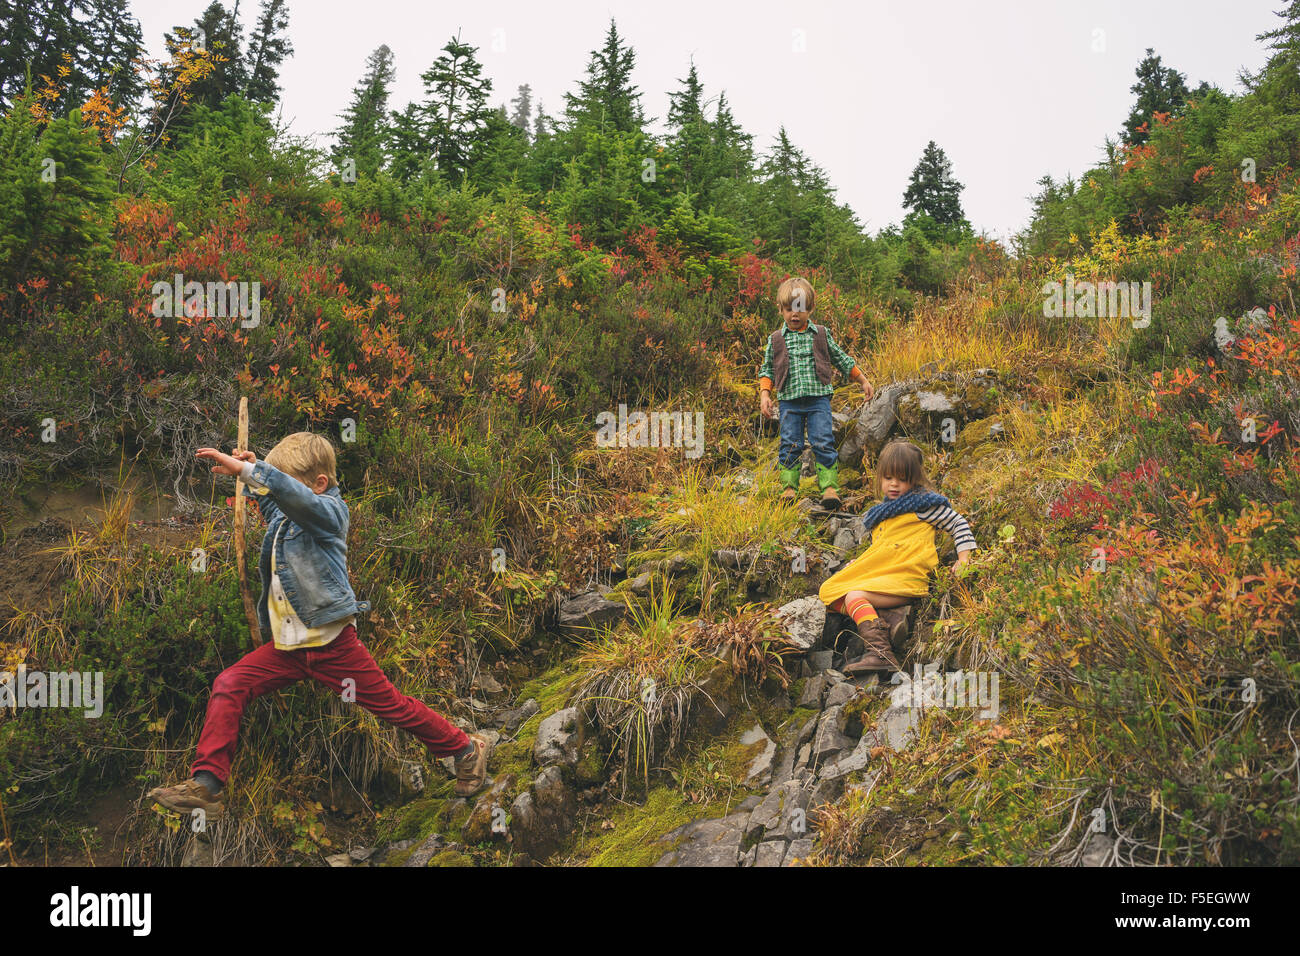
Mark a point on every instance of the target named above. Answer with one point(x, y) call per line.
point(945, 519)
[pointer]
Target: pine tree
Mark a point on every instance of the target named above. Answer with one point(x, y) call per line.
point(115, 42)
point(1279, 81)
point(522, 105)
point(934, 192)
point(408, 144)
point(267, 50)
point(95, 40)
point(1159, 90)
point(220, 33)
point(455, 110)
point(364, 135)
point(691, 136)
point(606, 99)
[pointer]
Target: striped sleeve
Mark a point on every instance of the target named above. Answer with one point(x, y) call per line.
point(945, 519)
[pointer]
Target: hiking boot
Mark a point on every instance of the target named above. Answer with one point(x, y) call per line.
point(471, 771)
point(831, 500)
point(875, 634)
point(188, 796)
point(788, 496)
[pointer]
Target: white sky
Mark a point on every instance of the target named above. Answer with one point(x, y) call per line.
point(1011, 89)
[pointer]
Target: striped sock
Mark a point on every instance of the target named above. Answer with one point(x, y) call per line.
point(859, 608)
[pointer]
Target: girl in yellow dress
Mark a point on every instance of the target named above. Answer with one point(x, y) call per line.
point(896, 566)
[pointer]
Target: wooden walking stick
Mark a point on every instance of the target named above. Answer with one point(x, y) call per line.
point(250, 608)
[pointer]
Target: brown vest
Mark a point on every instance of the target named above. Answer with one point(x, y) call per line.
point(781, 357)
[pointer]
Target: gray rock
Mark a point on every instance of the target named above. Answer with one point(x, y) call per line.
point(840, 694)
point(850, 761)
point(557, 739)
point(481, 825)
point(589, 610)
point(514, 719)
point(845, 540)
point(426, 851)
point(804, 620)
point(829, 738)
point(338, 859)
point(933, 402)
point(827, 790)
point(488, 684)
point(705, 842)
point(814, 689)
point(760, 769)
point(799, 850)
point(782, 814)
point(897, 726)
point(640, 585)
point(770, 853)
point(791, 743)
point(541, 817)
point(820, 660)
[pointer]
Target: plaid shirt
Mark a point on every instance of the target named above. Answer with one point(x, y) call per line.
point(802, 380)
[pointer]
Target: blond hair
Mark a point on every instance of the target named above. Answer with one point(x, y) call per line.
point(791, 288)
point(901, 460)
point(304, 455)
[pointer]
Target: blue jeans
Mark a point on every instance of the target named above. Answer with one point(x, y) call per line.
point(813, 414)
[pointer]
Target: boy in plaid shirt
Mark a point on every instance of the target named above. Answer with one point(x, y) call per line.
point(797, 365)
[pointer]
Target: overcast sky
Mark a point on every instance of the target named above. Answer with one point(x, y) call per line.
point(1011, 89)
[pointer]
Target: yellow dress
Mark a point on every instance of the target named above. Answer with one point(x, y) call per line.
point(899, 561)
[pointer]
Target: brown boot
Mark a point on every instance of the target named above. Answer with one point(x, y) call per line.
point(879, 656)
point(831, 500)
point(188, 796)
point(788, 496)
point(471, 771)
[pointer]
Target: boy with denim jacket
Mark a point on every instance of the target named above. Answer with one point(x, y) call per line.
point(310, 610)
point(798, 365)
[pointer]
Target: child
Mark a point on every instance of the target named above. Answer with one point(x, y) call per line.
point(797, 364)
point(309, 608)
point(894, 569)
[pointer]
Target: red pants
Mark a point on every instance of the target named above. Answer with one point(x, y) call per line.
point(266, 669)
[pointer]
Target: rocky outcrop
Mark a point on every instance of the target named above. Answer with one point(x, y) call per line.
point(920, 408)
point(590, 610)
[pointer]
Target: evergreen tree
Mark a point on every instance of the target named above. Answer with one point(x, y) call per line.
point(364, 135)
point(95, 40)
point(408, 144)
point(1279, 81)
point(607, 99)
point(522, 104)
point(691, 137)
point(219, 31)
point(115, 42)
point(455, 110)
point(934, 192)
point(267, 50)
point(501, 154)
point(1159, 90)
point(52, 220)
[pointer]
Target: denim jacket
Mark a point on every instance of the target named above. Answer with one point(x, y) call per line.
point(312, 562)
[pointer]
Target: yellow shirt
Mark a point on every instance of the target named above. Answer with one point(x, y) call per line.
point(287, 629)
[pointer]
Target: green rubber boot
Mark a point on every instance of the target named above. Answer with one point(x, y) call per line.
point(790, 481)
point(828, 479)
